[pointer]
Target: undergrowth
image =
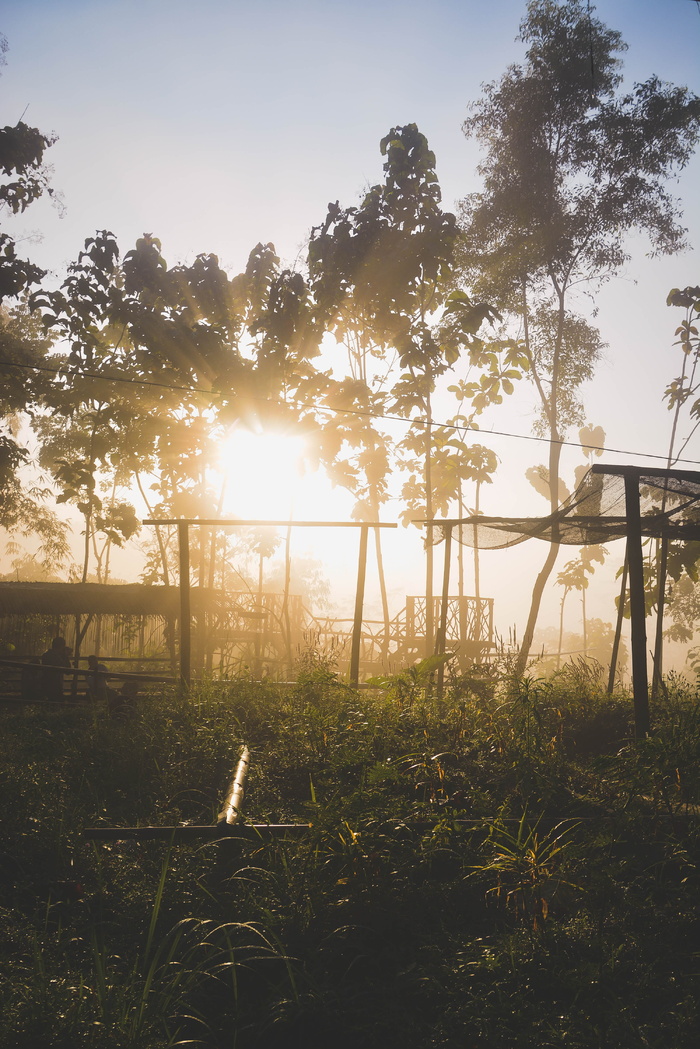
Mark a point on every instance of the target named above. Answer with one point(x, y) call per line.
point(504, 867)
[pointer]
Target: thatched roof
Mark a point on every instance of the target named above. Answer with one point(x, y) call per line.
point(128, 599)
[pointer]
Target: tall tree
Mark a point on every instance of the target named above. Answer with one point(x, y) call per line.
point(24, 177)
point(572, 165)
point(681, 398)
point(383, 272)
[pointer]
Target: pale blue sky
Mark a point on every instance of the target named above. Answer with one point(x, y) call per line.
point(221, 123)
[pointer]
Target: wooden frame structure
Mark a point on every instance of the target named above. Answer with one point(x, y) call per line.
point(633, 531)
point(635, 567)
point(183, 527)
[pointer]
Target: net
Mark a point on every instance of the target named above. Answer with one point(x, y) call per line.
point(596, 512)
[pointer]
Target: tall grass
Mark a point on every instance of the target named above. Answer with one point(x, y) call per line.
point(507, 868)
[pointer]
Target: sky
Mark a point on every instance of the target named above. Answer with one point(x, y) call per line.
point(223, 123)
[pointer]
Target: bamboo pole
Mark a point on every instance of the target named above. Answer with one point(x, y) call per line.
point(233, 803)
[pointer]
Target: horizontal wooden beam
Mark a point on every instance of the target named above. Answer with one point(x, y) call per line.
point(635, 471)
point(71, 671)
point(183, 834)
point(217, 523)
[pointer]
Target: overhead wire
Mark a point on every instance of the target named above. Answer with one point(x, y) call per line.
point(460, 427)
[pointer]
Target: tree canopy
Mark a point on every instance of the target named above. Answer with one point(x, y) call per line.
point(572, 165)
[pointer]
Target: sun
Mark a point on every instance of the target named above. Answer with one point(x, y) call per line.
point(267, 478)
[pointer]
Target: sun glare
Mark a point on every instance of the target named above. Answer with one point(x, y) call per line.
point(266, 478)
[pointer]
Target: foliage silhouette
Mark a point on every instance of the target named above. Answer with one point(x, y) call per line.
point(572, 165)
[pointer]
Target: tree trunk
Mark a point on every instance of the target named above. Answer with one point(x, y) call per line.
point(382, 577)
point(618, 628)
point(561, 626)
point(549, 404)
point(159, 537)
point(657, 681)
point(86, 547)
point(429, 622)
point(286, 624)
point(261, 624)
point(537, 592)
point(460, 551)
point(477, 585)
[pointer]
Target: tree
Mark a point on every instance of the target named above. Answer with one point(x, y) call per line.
point(159, 362)
point(574, 576)
point(23, 179)
point(680, 391)
point(23, 352)
point(679, 396)
point(381, 275)
point(571, 166)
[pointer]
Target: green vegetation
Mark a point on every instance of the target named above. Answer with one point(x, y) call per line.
point(563, 911)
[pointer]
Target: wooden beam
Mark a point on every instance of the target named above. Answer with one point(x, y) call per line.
point(359, 601)
point(183, 540)
point(648, 471)
point(193, 833)
point(209, 523)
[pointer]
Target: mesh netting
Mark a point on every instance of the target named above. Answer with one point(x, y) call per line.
point(595, 513)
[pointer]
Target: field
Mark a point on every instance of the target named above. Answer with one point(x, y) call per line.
point(504, 868)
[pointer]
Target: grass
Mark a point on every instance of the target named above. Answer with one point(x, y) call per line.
point(506, 868)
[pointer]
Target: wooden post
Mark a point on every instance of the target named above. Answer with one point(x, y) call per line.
point(185, 620)
point(640, 682)
point(441, 640)
point(359, 601)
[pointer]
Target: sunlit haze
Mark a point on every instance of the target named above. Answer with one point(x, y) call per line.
point(222, 124)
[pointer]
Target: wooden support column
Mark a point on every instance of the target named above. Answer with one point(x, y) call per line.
point(359, 601)
point(183, 541)
point(640, 682)
point(441, 640)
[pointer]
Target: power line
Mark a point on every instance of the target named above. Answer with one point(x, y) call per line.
point(359, 412)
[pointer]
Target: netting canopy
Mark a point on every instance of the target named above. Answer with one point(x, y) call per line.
point(669, 502)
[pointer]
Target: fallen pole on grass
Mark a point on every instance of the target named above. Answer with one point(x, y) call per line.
point(233, 805)
point(230, 822)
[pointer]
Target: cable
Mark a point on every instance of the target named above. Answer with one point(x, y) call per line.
point(360, 412)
